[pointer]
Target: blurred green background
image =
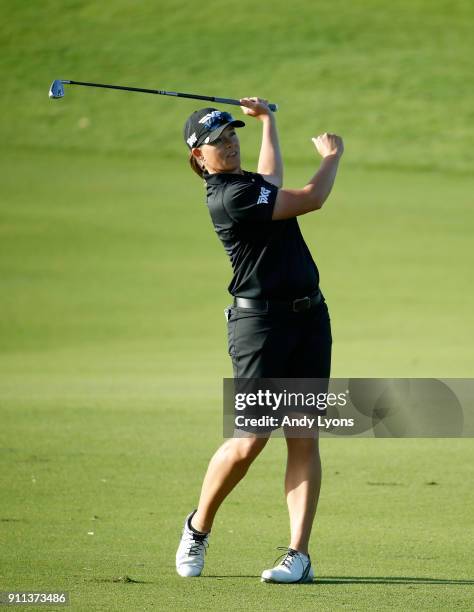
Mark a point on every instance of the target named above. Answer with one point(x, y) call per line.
point(113, 283)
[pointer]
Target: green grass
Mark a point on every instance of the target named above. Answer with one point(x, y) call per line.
point(112, 285)
point(113, 351)
point(393, 79)
point(107, 254)
point(385, 537)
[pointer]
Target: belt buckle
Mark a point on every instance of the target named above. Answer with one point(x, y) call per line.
point(301, 304)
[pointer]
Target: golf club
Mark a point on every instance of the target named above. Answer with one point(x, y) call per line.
point(57, 91)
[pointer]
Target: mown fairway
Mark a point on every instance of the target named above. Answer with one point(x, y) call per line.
point(112, 287)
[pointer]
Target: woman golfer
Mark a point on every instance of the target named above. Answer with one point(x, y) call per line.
point(278, 325)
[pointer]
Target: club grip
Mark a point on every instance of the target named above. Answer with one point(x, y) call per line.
point(272, 107)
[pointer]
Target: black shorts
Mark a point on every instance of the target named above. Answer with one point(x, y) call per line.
point(280, 344)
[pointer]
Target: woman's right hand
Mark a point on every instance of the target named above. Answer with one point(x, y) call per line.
point(255, 107)
point(329, 144)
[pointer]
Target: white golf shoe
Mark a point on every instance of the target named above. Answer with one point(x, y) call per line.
point(191, 551)
point(295, 567)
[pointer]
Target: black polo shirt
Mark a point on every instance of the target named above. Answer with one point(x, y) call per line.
point(270, 259)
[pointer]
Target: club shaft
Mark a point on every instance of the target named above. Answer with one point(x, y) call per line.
point(162, 92)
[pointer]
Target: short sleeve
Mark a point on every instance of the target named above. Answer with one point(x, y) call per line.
point(250, 201)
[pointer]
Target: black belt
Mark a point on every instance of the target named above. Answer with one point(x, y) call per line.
point(297, 305)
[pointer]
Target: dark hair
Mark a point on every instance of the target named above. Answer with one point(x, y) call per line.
point(198, 169)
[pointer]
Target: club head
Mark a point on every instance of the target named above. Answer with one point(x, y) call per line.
point(56, 90)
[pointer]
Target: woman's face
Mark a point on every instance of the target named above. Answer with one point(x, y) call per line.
point(223, 155)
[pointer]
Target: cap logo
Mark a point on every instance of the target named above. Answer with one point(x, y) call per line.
point(210, 117)
point(201, 131)
point(192, 140)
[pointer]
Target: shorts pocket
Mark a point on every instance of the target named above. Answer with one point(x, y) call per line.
point(231, 337)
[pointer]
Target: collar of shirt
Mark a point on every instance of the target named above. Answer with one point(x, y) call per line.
point(222, 177)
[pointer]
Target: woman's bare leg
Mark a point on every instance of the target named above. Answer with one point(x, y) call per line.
point(227, 467)
point(302, 486)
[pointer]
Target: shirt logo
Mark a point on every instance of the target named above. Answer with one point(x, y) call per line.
point(264, 195)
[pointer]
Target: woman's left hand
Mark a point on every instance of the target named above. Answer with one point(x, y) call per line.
point(255, 107)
